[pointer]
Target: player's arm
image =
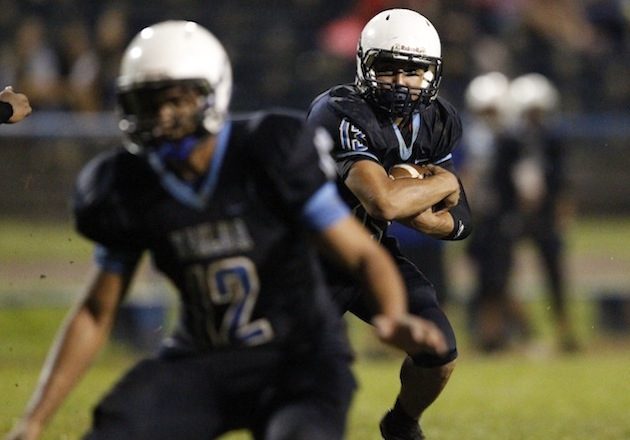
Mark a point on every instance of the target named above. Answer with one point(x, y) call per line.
point(358, 166)
point(436, 224)
point(13, 106)
point(76, 345)
point(390, 199)
point(346, 241)
point(454, 223)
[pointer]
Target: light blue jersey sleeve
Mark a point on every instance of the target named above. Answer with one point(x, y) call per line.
point(325, 208)
point(114, 260)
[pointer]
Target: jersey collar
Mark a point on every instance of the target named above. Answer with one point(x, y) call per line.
point(404, 149)
point(194, 197)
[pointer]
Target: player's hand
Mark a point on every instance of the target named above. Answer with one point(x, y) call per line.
point(450, 179)
point(19, 102)
point(429, 222)
point(437, 224)
point(24, 431)
point(411, 334)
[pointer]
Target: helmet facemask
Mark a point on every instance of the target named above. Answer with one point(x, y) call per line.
point(140, 118)
point(399, 41)
point(397, 99)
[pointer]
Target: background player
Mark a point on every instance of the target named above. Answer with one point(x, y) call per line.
point(537, 159)
point(221, 205)
point(13, 106)
point(528, 198)
point(489, 116)
point(392, 115)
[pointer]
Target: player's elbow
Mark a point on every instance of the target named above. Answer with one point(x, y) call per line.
point(383, 210)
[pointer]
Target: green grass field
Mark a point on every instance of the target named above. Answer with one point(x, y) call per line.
point(529, 393)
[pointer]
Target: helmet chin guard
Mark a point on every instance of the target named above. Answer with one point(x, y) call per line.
point(177, 151)
point(399, 36)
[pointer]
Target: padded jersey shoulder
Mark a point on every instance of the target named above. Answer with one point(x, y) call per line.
point(280, 150)
point(344, 104)
point(260, 131)
point(269, 141)
point(342, 101)
point(110, 196)
point(440, 133)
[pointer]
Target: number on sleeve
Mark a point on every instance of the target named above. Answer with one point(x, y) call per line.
point(352, 138)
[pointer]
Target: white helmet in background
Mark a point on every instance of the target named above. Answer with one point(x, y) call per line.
point(164, 55)
point(487, 93)
point(534, 91)
point(399, 36)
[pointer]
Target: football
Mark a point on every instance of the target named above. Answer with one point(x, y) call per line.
point(408, 171)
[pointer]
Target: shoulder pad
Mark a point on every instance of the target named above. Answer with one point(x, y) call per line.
point(110, 194)
point(346, 95)
point(262, 122)
point(347, 102)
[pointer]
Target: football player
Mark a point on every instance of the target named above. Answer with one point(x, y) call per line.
point(530, 200)
point(537, 160)
point(13, 106)
point(489, 116)
point(223, 206)
point(390, 115)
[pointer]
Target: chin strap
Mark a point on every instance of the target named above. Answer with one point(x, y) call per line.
point(179, 150)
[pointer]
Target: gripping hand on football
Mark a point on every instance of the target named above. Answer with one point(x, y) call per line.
point(453, 198)
point(437, 224)
point(436, 221)
point(411, 334)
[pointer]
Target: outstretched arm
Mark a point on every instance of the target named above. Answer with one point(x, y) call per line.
point(349, 242)
point(78, 342)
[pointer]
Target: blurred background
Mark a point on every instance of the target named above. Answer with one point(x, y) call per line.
point(64, 55)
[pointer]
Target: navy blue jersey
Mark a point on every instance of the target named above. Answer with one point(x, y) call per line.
point(361, 132)
point(233, 243)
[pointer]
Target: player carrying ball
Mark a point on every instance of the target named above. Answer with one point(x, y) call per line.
point(391, 115)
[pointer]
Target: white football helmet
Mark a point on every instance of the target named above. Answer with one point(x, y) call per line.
point(399, 37)
point(487, 92)
point(164, 55)
point(533, 91)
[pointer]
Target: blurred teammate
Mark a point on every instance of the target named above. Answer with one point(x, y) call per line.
point(223, 206)
point(491, 307)
point(542, 187)
point(13, 106)
point(521, 190)
point(390, 115)
point(534, 195)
